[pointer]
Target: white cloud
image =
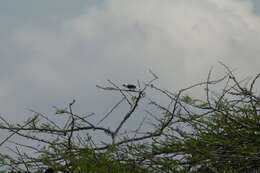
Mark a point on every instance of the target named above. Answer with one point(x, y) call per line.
point(121, 39)
point(178, 37)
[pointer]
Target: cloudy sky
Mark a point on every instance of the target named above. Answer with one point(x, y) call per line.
point(52, 51)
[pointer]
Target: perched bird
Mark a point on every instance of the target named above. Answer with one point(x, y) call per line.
point(49, 170)
point(129, 86)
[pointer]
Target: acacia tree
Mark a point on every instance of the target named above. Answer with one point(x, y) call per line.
point(220, 133)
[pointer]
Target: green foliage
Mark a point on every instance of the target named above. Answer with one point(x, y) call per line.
point(218, 134)
point(90, 161)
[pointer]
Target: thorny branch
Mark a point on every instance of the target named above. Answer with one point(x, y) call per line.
point(55, 140)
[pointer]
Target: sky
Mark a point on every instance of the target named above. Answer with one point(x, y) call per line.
point(53, 51)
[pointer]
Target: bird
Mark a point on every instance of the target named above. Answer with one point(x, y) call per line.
point(129, 86)
point(49, 170)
